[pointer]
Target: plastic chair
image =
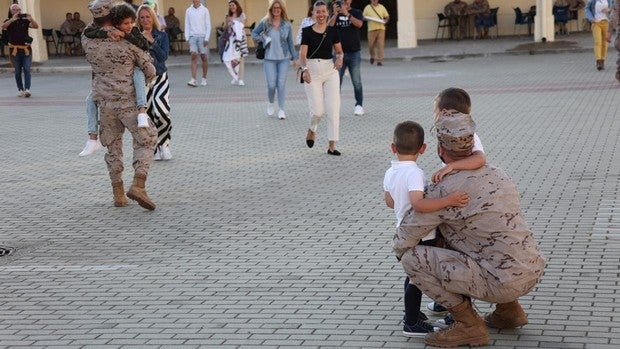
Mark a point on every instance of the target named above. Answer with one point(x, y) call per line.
point(48, 34)
point(493, 23)
point(521, 19)
point(248, 34)
point(61, 43)
point(443, 22)
point(176, 38)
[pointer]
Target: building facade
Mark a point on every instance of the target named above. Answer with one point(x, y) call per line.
point(412, 20)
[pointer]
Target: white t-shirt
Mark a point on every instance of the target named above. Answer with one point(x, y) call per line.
point(401, 178)
point(599, 6)
point(477, 144)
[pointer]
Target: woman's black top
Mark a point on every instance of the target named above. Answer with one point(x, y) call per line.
point(313, 40)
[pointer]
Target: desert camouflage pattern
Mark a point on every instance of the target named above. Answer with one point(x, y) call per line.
point(113, 63)
point(455, 131)
point(113, 91)
point(490, 253)
point(111, 135)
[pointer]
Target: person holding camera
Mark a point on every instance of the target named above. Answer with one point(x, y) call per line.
point(348, 22)
point(19, 47)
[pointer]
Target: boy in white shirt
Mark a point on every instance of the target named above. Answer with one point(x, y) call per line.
point(404, 189)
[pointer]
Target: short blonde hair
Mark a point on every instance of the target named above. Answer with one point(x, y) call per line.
point(150, 10)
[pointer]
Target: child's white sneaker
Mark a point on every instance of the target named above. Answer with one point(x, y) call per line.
point(241, 83)
point(92, 145)
point(143, 120)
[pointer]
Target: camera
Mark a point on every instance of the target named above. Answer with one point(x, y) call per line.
point(22, 15)
point(338, 3)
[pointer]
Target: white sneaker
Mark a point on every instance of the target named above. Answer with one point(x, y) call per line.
point(157, 155)
point(359, 110)
point(166, 154)
point(27, 93)
point(192, 83)
point(281, 114)
point(234, 82)
point(92, 145)
point(203, 82)
point(270, 109)
point(143, 120)
point(241, 83)
point(20, 93)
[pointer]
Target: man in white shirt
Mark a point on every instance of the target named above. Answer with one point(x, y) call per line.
point(197, 32)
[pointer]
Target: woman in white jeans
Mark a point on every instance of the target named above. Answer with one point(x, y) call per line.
point(319, 72)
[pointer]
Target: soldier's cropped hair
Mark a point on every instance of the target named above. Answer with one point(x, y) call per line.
point(408, 137)
point(454, 98)
point(120, 12)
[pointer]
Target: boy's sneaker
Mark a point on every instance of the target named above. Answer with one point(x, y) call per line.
point(91, 147)
point(420, 329)
point(445, 322)
point(27, 93)
point(281, 114)
point(20, 93)
point(192, 83)
point(143, 120)
point(203, 82)
point(436, 307)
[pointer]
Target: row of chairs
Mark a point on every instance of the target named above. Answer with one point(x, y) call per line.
point(60, 43)
point(561, 14)
point(444, 22)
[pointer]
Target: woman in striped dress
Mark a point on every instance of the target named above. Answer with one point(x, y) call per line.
point(158, 107)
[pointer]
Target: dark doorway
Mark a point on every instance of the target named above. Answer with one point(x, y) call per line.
point(391, 6)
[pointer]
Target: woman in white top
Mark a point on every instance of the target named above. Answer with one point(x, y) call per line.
point(235, 12)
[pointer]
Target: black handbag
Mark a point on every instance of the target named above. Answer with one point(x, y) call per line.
point(260, 50)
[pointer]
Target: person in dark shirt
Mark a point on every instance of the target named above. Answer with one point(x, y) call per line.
point(19, 47)
point(348, 22)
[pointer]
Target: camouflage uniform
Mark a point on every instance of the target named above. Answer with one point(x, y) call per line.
point(490, 253)
point(113, 91)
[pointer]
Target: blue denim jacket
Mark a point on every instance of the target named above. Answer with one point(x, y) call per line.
point(286, 36)
point(590, 8)
point(159, 51)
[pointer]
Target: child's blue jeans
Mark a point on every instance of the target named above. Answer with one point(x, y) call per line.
point(92, 116)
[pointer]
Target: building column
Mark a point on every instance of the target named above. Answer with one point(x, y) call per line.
point(38, 49)
point(544, 26)
point(407, 36)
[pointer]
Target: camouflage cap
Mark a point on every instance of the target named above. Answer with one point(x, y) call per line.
point(455, 131)
point(100, 8)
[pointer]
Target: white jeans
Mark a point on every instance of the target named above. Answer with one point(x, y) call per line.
point(323, 95)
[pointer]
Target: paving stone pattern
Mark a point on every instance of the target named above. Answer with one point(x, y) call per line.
point(258, 241)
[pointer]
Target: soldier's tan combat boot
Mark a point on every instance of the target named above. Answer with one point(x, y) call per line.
point(120, 200)
point(136, 192)
point(467, 329)
point(506, 315)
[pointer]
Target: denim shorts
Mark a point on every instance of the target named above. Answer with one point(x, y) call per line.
point(196, 44)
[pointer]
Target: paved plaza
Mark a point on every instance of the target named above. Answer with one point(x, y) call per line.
point(259, 241)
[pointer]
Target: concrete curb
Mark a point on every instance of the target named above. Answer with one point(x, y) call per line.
point(407, 58)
